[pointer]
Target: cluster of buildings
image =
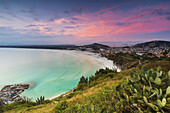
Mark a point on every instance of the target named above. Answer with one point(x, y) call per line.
point(11, 93)
point(147, 51)
point(151, 52)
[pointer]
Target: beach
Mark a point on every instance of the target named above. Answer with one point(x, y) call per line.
point(102, 60)
point(54, 71)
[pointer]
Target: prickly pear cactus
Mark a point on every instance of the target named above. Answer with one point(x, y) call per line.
point(151, 89)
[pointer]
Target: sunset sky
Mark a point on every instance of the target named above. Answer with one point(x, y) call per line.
point(24, 22)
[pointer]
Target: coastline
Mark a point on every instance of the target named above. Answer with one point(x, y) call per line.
point(62, 94)
point(96, 56)
point(56, 96)
point(104, 62)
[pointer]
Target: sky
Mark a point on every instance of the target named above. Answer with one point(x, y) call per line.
point(50, 22)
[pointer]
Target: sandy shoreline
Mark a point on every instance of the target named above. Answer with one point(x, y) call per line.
point(102, 60)
point(96, 56)
point(56, 96)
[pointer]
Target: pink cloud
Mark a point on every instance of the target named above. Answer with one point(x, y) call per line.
point(108, 23)
point(60, 21)
point(143, 14)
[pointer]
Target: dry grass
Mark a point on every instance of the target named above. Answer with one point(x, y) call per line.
point(164, 64)
point(105, 82)
point(36, 109)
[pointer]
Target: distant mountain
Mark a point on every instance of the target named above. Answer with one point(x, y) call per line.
point(96, 45)
point(153, 44)
point(121, 43)
point(40, 46)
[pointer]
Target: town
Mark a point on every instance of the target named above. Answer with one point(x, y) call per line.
point(150, 50)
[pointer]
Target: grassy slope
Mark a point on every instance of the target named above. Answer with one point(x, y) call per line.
point(90, 92)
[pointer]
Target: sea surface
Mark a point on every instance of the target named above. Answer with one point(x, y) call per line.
point(49, 72)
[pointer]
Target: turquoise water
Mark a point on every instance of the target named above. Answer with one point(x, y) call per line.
point(50, 72)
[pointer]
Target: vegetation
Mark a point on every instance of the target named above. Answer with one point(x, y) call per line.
point(148, 90)
point(40, 100)
point(144, 88)
point(91, 81)
point(127, 61)
point(152, 44)
point(145, 91)
point(24, 104)
point(1, 105)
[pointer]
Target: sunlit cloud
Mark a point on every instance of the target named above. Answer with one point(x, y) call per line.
point(108, 22)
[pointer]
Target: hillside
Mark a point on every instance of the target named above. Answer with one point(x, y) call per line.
point(96, 46)
point(125, 60)
point(98, 94)
point(152, 44)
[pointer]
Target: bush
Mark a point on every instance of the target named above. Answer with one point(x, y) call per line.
point(18, 105)
point(111, 75)
point(47, 101)
point(71, 95)
point(83, 80)
point(93, 84)
point(81, 86)
point(120, 76)
point(61, 106)
point(40, 100)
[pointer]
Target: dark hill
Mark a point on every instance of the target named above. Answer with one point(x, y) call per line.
point(97, 45)
point(153, 44)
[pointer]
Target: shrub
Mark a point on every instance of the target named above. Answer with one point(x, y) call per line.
point(61, 106)
point(18, 105)
point(47, 101)
point(1, 105)
point(93, 84)
point(83, 80)
point(111, 75)
point(71, 95)
point(81, 86)
point(119, 77)
point(24, 99)
point(40, 100)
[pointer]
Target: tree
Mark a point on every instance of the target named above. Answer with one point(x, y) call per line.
point(83, 80)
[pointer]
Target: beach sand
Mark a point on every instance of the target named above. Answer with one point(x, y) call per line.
point(101, 60)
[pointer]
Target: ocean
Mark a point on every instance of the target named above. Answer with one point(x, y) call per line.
point(49, 72)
